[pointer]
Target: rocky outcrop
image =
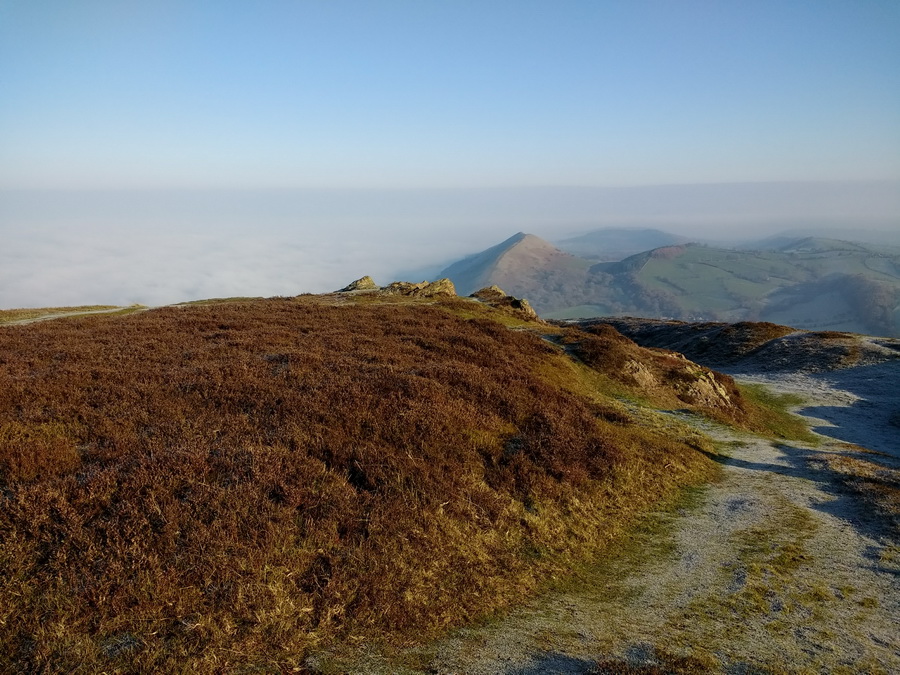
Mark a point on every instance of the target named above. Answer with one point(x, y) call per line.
point(489, 293)
point(522, 305)
point(667, 378)
point(497, 298)
point(364, 284)
point(423, 289)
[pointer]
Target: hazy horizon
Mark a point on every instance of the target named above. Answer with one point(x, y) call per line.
point(156, 152)
point(164, 246)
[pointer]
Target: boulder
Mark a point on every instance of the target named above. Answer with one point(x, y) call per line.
point(497, 298)
point(524, 307)
point(364, 284)
point(423, 289)
point(439, 287)
point(489, 293)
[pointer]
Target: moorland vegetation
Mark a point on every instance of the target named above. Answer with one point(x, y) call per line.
point(230, 485)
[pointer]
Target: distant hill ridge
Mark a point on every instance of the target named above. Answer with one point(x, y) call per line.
point(617, 243)
point(811, 283)
point(755, 346)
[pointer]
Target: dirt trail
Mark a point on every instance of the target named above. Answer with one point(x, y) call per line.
point(773, 568)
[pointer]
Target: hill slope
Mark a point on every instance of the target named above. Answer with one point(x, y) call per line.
point(756, 347)
point(816, 284)
point(228, 485)
point(524, 263)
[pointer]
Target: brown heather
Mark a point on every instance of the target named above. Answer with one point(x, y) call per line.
point(664, 378)
point(225, 487)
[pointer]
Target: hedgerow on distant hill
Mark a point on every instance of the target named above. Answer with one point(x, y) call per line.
point(205, 487)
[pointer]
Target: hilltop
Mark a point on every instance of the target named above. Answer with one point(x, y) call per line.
point(231, 484)
point(279, 484)
point(809, 283)
point(524, 262)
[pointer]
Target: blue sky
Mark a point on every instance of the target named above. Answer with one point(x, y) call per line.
point(416, 93)
point(158, 150)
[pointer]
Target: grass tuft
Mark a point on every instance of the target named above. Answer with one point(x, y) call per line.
point(770, 414)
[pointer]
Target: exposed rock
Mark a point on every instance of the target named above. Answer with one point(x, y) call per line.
point(489, 293)
point(706, 391)
point(691, 383)
point(497, 298)
point(640, 374)
point(664, 377)
point(364, 284)
point(440, 287)
point(524, 307)
point(423, 289)
point(403, 287)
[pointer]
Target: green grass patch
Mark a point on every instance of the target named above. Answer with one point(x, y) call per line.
point(771, 414)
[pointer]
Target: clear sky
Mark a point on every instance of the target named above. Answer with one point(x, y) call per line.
point(163, 150)
point(421, 93)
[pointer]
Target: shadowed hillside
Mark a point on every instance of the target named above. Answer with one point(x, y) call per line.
point(231, 484)
point(754, 346)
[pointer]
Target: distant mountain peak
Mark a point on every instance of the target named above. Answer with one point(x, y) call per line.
point(530, 242)
point(522, 239)
point(512, 263)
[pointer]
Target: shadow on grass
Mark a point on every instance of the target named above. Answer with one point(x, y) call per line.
point(641, 659)
point(845, 503)
point(867, 421)
point(554, 662)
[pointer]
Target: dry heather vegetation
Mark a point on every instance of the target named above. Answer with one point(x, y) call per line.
point(230, 485)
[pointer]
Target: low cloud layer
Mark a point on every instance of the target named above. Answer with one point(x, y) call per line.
point(70, 248)
point(64, 266)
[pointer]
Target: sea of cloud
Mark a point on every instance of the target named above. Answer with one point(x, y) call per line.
point(154, 265)
point(62, 248)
